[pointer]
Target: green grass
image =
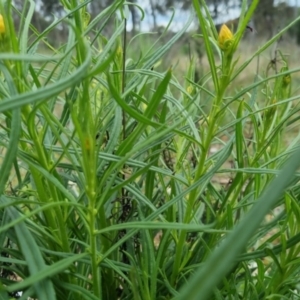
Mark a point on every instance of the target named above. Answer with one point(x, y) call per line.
point(120, 181)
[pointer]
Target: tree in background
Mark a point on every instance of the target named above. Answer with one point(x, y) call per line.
point(264, 19)
point(134, 16)
point(50, 6)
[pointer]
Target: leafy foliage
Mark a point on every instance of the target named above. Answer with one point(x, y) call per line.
point(112, 178)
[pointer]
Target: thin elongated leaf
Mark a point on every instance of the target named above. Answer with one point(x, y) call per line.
point(149, 113)
point(162, 225)
point(208, 44)
point(127, 108)
point(221, 260)
point(223, 155)
point(49, 91)
point(79, 290)
point(12, 147)
point(43, 288)
point(161, 51)
point(47, 272)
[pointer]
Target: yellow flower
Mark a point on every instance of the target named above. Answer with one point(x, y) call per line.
point(225, 38)
point(2, 26)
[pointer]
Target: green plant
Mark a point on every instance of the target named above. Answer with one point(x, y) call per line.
point(112, 174)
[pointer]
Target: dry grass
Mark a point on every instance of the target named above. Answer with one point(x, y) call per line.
point(247, 48)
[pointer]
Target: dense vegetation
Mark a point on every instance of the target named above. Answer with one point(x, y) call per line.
point(121, 181)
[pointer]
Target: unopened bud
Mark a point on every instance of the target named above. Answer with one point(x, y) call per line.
point(225, 38)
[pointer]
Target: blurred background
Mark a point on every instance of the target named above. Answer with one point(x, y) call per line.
point(270, 17)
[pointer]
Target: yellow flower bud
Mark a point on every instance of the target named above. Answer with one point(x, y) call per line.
point(225, 38)
point(2, 26)
point(4, 41)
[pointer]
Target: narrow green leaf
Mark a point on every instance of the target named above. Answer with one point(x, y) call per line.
point(127, 108)
point(49, 91)
point(15, 127)
point(149, 113)
point(161, 225)
point(43, 288)
point(208, 47)
point(222, 258)
point(46, 273)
